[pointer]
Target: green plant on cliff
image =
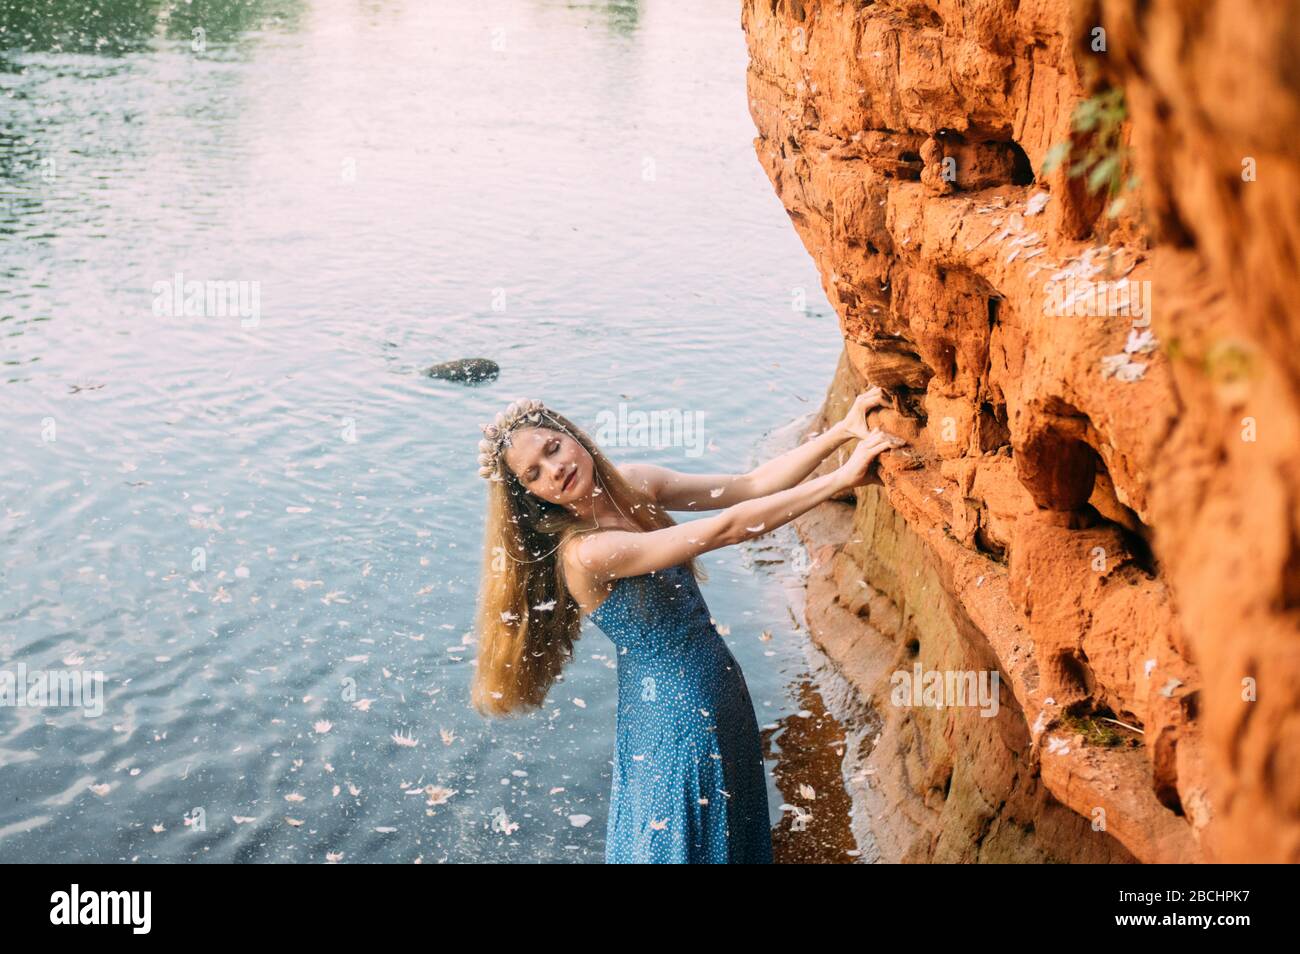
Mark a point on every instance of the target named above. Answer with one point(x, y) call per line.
point(1097, 148)
point(1099, 732)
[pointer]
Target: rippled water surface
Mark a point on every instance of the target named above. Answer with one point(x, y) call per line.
point(242, 518)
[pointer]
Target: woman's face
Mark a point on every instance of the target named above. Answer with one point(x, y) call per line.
point(550, 464)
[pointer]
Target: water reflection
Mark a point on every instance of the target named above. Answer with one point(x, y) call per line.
point(120, 27)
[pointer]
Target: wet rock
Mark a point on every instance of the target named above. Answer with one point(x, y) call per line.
point(466, 370)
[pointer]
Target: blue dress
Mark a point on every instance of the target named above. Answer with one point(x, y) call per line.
point(688, 784)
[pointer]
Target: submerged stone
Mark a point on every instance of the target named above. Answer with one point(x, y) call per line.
point(466, 369)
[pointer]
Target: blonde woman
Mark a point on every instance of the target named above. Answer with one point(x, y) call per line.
point(569, 534)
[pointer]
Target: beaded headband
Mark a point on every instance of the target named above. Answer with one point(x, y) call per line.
point(496, 434)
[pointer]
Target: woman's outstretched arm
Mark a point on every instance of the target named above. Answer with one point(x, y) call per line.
point(783, 472)
point(610, 554)
point(674, 490)
point(796, 464)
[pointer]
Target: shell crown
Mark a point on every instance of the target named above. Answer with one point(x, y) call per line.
point(496, 433)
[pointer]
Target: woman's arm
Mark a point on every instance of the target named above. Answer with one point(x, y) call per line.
point(675, 490)
point(794, 465)
point(610, 554)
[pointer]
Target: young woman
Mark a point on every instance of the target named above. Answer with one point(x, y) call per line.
point(569, 533)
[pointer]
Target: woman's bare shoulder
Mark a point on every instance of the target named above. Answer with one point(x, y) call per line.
point(579, 579)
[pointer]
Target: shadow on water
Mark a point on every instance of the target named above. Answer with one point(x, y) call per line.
point(623, 16)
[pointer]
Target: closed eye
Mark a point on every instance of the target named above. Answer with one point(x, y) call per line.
point(551, 447)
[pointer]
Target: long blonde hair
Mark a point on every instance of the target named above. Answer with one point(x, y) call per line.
point(526, 621)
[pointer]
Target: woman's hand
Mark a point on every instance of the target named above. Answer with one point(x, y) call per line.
point(855, 422)
point(857, 470)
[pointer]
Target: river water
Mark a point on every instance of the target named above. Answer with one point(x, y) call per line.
point(262, 523)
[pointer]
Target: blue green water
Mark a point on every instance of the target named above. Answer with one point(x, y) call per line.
point(237, 517)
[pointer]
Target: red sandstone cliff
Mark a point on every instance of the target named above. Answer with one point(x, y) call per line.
point(1104, 502)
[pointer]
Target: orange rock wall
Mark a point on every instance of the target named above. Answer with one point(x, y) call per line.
point(1103, 496)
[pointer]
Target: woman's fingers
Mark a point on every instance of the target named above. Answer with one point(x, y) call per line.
point(877, 396)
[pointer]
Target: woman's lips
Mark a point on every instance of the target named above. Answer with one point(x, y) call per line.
point(568, 480)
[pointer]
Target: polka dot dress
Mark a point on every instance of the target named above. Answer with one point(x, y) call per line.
point(688, 783)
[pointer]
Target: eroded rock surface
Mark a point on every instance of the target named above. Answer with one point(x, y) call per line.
point(1104, 502)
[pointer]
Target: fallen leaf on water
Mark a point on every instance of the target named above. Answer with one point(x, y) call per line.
point(438, 794)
